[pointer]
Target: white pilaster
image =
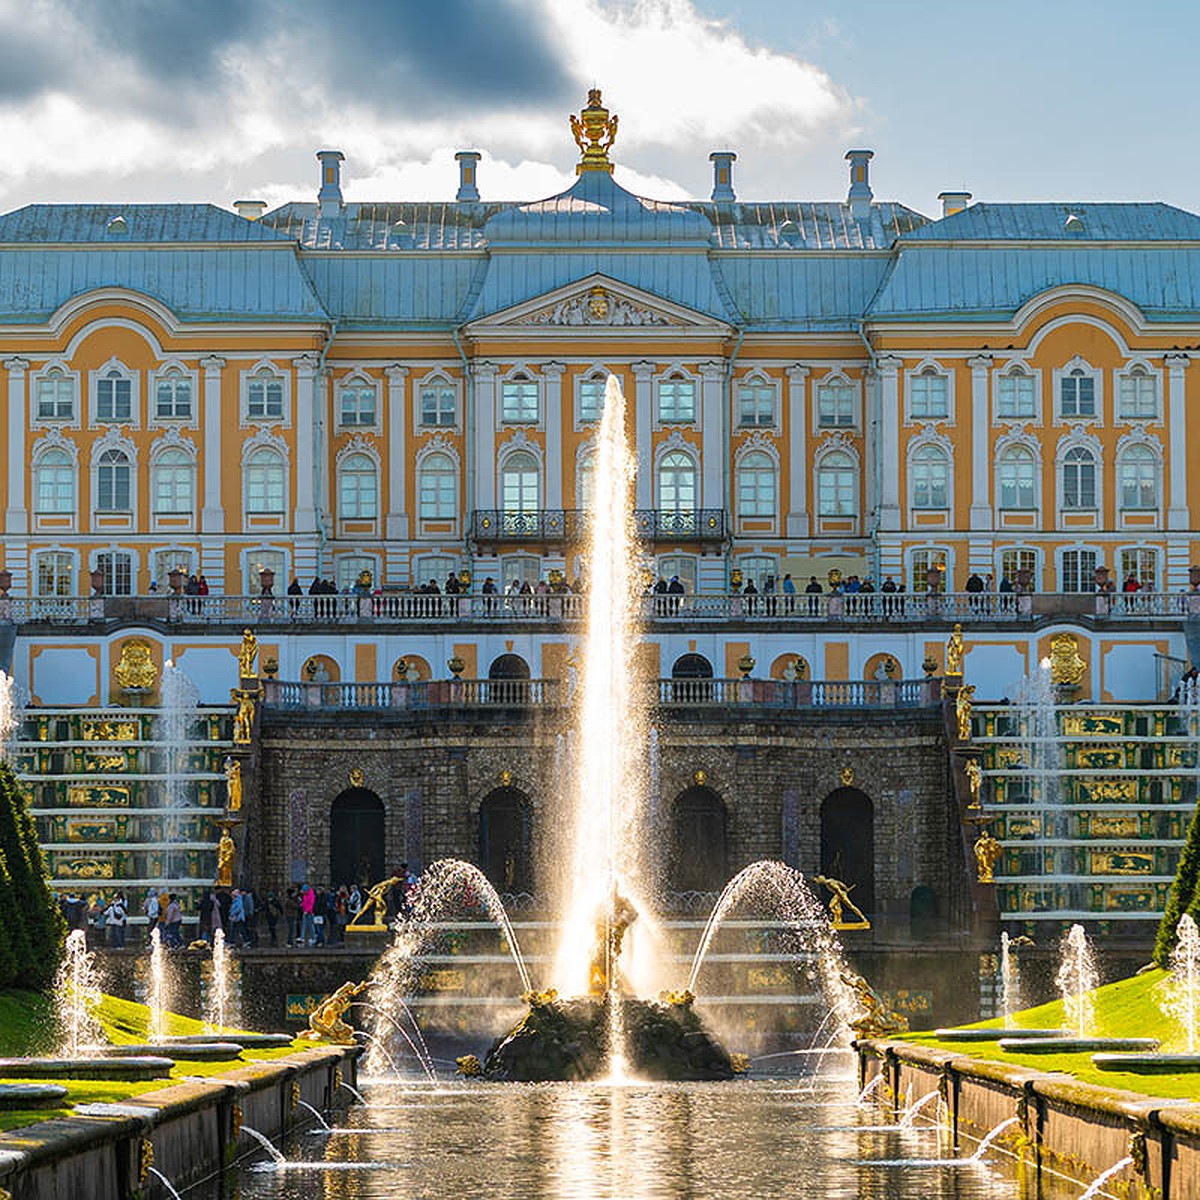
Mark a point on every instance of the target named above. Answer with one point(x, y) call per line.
point(552, 372)
point(305, 517)
point(16, 516)
point(797, 389)
point(397, 431)
point(643, 374)
point(712, 436)
point(981, 507)
point(889, 441)
point(1177, 512)
point(212, 515)
point(483, 433)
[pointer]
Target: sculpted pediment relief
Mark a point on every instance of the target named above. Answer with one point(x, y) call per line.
point(597, 306)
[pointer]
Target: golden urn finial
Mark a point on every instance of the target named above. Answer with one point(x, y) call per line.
point(594, 131)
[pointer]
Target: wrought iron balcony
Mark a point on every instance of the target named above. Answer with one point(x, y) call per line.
point(565, 525)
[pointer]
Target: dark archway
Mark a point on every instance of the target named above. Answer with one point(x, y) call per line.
point(699, 842)
point(356, 838)
point(692, 666)
point(506, 839)
point(509, 666)
point(848, 843)
point(923, 912)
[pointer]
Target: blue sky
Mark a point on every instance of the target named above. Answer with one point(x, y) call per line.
point(113, 100)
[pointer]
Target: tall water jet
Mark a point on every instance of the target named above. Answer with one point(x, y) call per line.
point(1010, 980)
point(1182, 988)
point(217, 1011)
point(1077, 978)
point(77, 996)
point(158, 987)
point(179, 699)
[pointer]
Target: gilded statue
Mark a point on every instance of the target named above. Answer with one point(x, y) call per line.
point(233, 784)
point(247, 655)
point(1066, 666)
point(680, 999)
point(375, 901)
point(469, 1066)
point(877, 1019)
point(839, 902)
point(612, 922)
point(225, 851)
point(962, 710)
point(987, 851)
point(954, 652)
point(243, 719)
point(974, 781)
point(136, 668)
point(325, 1022)
point(594, 132)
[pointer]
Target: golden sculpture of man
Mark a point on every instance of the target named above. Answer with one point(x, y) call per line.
point(233, 784)
point(612, 922)
point(962, 710)
point(243, 719)
point(877, 1019)
point(987, 851)
point(954, 652)
point(974, 780)
point(325, 1022)
point(225, 851)
point(375, 901)
point(839, 901)
point(247, 655)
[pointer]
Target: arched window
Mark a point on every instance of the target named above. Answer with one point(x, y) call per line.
point(506, 840)
point(114, 482)
point(519, 485)
point(691, 666)
point(837, 485)
point(677, 483)
point(699, 853)
point(437, 488)
point(848, 844)
point(1139, 478)
point(1077, 393)
point(756, 485)
point(1079, 478)
point(509, 666)
point(356, 838)
point(1017, 478)
point(930, 477)
point(265, 482)
point(585, 479)
point(54, 483)
point(174, 488)
point(173, 396)
point(358, 488)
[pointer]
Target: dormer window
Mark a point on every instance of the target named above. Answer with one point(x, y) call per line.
point(1077, 393)
point(114, 398)
point(519, 401)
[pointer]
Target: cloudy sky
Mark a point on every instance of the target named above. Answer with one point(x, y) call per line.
point(222, 99)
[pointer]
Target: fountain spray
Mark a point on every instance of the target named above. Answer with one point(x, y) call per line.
point(220, 991)
point(1077, 978)
point(1182, 1000)
point(157, 996)
point(77, 996)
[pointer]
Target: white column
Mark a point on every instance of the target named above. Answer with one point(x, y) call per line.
point(797, 391)
point(1177, 512)
point(483, 431)
point(981, 507)
point(305, 517)
point(643, 374)
point(212, 515)
point(712, 436)
point(397, 430)
point(553, 373)
point(16, 516)
point(889, 441)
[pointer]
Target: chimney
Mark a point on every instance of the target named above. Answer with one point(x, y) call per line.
point(859, 197)
point(250, 209)
point(468, 170)
point(953, 202)
point(722, 161)
point(330, 196)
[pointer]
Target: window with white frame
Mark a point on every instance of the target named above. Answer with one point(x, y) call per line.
point(437, 488)
point(756, 492)
point(1077, 393)
point(114, 482)
point(1138, 478)
point(756, 404)
point(928, 395)
point(681, 566)
point(349, 567)
point(266, 482)
point(174, 482)
point(757, 567)
point(837, 485)
point(114, 397)
point(264, 396)
point(434, 568)
point(163, 562)
point(54, 396)
point(358, 488)
point(1078, 570)
point(1016, 478)
point(357, 403)
point(585, 479)
point(116, 569)
point(1019, 565)
point(258, 561)
point(1137, 395)
point(439, 405)
point(835, 404)
point(930, 478)
point(519, 401)
point(919, 566)
point(591, 399)
point(1015, 395)
point(1079, 478)
point(54, 574)
point(1142, 564)
point(520, 489)
point(54, 483)
point(676, 401)
point(677, 483)
point(173, 396)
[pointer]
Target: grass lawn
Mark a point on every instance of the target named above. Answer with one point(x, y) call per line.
point(1127, 1008)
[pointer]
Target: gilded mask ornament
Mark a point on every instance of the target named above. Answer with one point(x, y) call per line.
point(136, 668)
point(1066, 666)
point(357, 777)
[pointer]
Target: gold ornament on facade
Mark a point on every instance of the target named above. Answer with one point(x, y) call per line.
point(145, 1160)
point(594, 132)
point(374, 905)
point(505, 778)
point(225, 852)
point(358, 777)
point(243, 718)
point(248, 655)
point(962, 711)
point(700, 778)
point(136, 668)
point(877, 1019)
point(326, 1023)
point(233, 784)
point(1066, 666)
point(469, 1066)
point(987, 851)
point(846, 775)
point(974, 781)
point(954, 652)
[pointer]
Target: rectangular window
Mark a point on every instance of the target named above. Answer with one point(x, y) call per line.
point(1077, 395)
point(358, 405)
point(922, 560)
point(1015, 396)
point(438, 500)
point(1020, 567)
point(117, 569)
point(55, 575)
point(264, 398)
point(1142, 565)
point(163, 562)
point(1137, 396)
point(519, 402)
point(835, 405)
point(438, 405)
point(1079, 570)
point(836, 492)
point(1018, 483)
point(258, 561)
point(173, 398)
point(114, 398)
point(591, 399)
point(928, 395)
point(756, 404)
point(349, 569)
point(676, 401)
point(55, 397)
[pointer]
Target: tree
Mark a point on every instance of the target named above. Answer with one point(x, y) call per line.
point(1183, 897)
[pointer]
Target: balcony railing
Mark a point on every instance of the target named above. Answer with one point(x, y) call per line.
point(568, 525)
point(793, 611)
point(673, 694)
